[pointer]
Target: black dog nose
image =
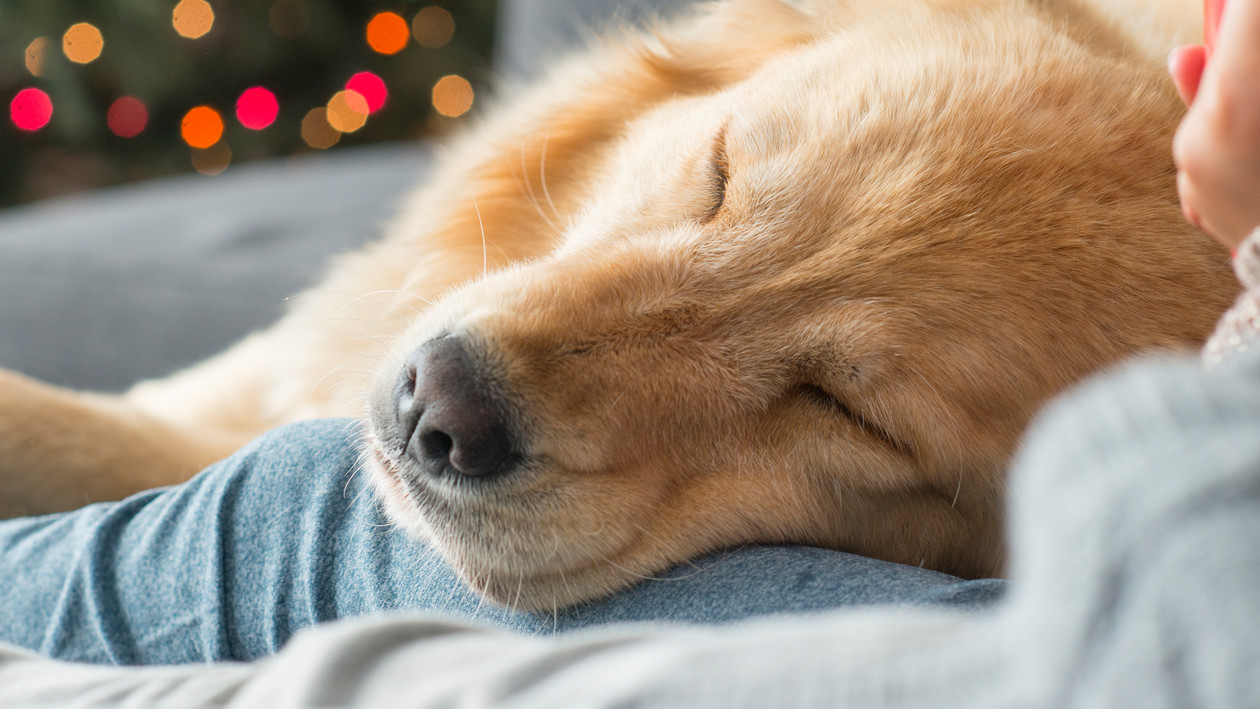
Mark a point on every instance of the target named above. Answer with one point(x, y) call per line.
point(450, 416)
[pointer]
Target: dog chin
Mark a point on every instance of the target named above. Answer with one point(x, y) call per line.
point(544, 594)
point(488, 572)
point(390, 487)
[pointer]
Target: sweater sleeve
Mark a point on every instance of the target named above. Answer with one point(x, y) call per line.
point(1239, 329)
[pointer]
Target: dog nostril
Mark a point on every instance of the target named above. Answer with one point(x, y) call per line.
point(449, 413)
point(436, 445)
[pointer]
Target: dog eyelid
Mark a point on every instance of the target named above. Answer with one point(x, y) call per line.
point(720, 174)
point(821, 396)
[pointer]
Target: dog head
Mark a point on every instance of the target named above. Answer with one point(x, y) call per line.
point(813, 297)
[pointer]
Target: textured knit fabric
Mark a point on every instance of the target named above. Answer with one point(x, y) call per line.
point(1135, 515)
point(1239, 329)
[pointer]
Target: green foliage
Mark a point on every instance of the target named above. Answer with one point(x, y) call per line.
point(302, 50)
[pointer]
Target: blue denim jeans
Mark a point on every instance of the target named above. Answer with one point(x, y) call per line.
point(285, 534)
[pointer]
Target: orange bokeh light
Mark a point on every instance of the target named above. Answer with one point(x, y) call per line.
point(316, 130)
point(192, 18)
point(82, 43)
point(452, 95)
point(388, 33)
point(433, 27)
point(212, 160)
point(347, 111)
point(35, 56)
point(201, 127)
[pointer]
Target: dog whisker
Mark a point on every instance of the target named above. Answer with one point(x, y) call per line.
point(542, 177)
point(384, 291)
point(485, 258)
point(529, 192)
point(341, 368)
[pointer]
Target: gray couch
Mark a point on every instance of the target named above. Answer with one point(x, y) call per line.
point(102, 289)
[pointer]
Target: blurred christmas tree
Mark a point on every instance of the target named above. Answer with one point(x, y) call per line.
point(115, 90)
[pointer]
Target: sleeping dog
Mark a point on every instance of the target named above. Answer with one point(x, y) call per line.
point(773, 272)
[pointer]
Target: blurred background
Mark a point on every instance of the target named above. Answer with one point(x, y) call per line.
point(110, 91)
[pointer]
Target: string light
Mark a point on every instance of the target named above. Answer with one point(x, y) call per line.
point(257, 108)
point(371, 87)
point(433, 27)
point(201, 127)
point(452, 95)
point(316, 130)
point(127, 117)
point(212, 160)
point(192, 18)
point(82, 43)
point(35, 56)
point(347, 111)
point(387, 33)
point(31, 109)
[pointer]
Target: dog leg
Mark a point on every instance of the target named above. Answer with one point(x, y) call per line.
point(61, 449)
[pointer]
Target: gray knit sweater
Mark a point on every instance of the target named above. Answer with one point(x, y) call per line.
point(1239, 330)
point(1135, 539)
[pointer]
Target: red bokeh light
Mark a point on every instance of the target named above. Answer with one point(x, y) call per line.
point(257, 108)
point(371, 87)
point(127, 117)
point(31, 109)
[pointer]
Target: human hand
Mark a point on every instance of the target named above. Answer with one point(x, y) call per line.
point(1217, 147)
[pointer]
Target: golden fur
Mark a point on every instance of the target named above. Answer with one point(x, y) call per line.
point(774, 273)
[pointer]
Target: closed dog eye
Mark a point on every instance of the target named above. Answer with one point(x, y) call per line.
point(719, 176)
point(825, 400)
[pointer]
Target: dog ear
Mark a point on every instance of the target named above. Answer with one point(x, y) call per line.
point(534, 175)
point(1124, 28)
point(726, 42)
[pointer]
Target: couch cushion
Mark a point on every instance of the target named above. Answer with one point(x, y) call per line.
point(100, 290)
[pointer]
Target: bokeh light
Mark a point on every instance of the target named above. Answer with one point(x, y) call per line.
point(257, 108)
point(192, 18)
point(127, 117)
point(371, 87)
point(433, 27)
point(201, 127)
point(31, 109)
point(347, 111)
point(452, 95)
point(35, 56)
point(212, 160)
point(387, 33)
point(82, 43)
point(316, 130)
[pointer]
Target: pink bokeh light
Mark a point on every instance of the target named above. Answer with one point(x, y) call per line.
point(257, 108)
point(371, 87)
point(31, 109)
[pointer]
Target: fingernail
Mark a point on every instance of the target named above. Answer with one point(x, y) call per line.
point(1191, 216)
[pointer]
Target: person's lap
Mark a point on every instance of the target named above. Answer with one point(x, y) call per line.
point(285, 534)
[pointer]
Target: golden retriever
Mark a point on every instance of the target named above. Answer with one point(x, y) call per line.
point(776, 272)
